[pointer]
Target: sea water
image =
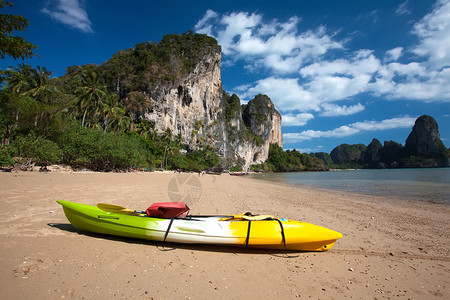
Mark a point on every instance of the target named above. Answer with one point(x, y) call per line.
point(425, 184)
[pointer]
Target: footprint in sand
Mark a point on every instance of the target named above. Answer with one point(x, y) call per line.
point(32, 265)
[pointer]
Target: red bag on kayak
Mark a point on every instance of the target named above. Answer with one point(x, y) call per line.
point(168, 210)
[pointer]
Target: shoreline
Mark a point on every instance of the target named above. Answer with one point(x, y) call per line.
point(63, 169)
point(391, 247)
point(431, 186)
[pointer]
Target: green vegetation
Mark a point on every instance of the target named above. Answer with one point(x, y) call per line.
point(290, 161)
point(257, 110)
point(233, 105)
point(142, 68)
point(92, 117)
point(232, 112)
point(348, 154)
point(10, 45)
point(236, 169)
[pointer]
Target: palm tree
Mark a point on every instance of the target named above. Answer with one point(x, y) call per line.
point(43, 91)
point(40, 86)
point(17, 82)
point(90, 94)
point(121, 121)
point(146, 129)
point(178, 141)
point(18, 78)
point(166, 139)
point(136, 103)
point(111, 109)
point(25, 81)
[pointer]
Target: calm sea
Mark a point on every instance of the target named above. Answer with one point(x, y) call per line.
point(432, 185)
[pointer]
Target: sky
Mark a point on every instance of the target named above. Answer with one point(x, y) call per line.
point(338, 71)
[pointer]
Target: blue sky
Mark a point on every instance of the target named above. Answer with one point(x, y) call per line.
point(339, 71)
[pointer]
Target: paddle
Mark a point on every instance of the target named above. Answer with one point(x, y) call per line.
point(119, 209)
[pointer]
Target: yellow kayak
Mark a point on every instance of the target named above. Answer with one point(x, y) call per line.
point(243, 230)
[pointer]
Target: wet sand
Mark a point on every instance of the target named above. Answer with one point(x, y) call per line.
point(391, 249)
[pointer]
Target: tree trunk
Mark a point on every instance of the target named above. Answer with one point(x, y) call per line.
point(84, 116)
point(164, 158)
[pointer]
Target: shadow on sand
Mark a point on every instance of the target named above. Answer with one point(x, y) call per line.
point(167, 246)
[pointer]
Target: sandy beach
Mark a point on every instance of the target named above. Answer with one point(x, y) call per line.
point(391, 249)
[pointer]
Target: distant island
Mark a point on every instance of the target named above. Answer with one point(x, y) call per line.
point(423, 149)
point(162, 106)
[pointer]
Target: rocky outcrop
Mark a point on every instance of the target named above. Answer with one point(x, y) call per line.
point(261, 127)
point(192, 105)
point(392, 153)
point(345, 153)
point(250, 129)
point(372, 154)
point(423, 148)
point(178, 82)
point(424, 140)
point(261, 117)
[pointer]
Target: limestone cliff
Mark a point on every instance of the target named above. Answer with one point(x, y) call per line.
point(424, 140)
point(192, 105)
point(176, 85)
point(252, 129)
point(263, 119)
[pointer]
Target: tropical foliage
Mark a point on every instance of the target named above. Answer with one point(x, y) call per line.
point(290, 161)
point(78, 121)
point(93, 116)
point(14, 46)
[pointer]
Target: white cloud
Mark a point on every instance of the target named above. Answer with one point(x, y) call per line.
point(71, 13)
point(274, 45)
point(304, 80)
point(331, 110)
point(289, 96)
point(297, 119)
point(348, 130)
point(393, 54)
point(422, 81)
point(402, 9)
point(286, 93)
point(340, 79)
point(433, 89)
point(434, 33)
point(238, 28)
point(313, 134)
point(202, 26)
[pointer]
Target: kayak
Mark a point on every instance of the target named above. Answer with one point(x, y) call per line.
point(254, 232)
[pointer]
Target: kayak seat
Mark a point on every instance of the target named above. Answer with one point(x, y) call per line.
point(248, 216)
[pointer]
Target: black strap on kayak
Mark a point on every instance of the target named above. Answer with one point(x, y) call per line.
point(167, 233)
point(282, 233)
point(168, 229)
point(284, 239)
point(248, 233)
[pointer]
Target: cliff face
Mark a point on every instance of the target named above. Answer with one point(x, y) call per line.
point(424, 138)
point(261, 117)
point(178, 82)
point(192, 105)
point(259, 126)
